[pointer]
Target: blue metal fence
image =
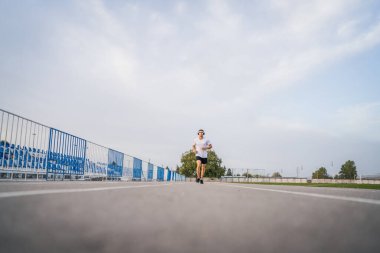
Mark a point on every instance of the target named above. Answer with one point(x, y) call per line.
point(160, 174)
point(30, 150)
point(150, 171)
point(115, 163)
point(96, 162)
point(137, 168)
point(66, 153)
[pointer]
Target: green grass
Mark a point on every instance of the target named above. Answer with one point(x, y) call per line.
point(358, 186)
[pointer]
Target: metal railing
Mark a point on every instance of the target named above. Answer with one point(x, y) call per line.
point(30, 150)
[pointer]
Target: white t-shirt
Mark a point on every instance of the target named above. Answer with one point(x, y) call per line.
point(199, 144)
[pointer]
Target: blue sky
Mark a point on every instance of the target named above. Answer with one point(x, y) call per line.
point(275, 84)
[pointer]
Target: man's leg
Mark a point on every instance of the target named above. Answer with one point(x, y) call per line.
point(198, 169)
point(203, 172)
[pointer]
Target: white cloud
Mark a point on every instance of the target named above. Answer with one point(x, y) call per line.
point(308, 39)
point(181, 7)
point(359, 120)
point(167, 71)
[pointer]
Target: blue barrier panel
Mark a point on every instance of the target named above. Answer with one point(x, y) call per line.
point(115, 163)
point(128, 167)
point(137, 169)
point(150, 171)
point(160, 174)
point(96, 164)
point(23, 145)
point(66, 153)
point(169, 176)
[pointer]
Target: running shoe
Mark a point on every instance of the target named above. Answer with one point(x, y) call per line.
point(197, 181)
point(201, 180)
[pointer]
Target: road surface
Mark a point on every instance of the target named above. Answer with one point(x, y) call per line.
point(186, 217)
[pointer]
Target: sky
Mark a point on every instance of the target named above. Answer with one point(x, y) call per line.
point(276, 85)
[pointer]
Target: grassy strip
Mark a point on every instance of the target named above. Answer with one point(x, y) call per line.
point(358, 186)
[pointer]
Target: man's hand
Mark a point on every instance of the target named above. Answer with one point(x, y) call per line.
point(209, 146)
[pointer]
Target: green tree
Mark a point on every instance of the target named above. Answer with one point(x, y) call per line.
point(188, 164)
point(213, 168)
point(348, 170)
point(276, 174)
point(321, 173)
point(229, 172)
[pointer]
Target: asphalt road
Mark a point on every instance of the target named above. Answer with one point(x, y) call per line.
point(186, 217)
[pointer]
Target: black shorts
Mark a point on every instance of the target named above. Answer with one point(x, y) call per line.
point(203, 160)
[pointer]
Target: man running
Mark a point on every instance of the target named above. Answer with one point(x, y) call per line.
point(200, 147)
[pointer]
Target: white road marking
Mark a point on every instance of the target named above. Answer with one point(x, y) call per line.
point(54, 191)
point(317, 195)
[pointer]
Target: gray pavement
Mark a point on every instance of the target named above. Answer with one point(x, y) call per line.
point(186, 217)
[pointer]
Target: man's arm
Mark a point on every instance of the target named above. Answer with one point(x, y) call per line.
point(209, 146)
point(194, 150)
